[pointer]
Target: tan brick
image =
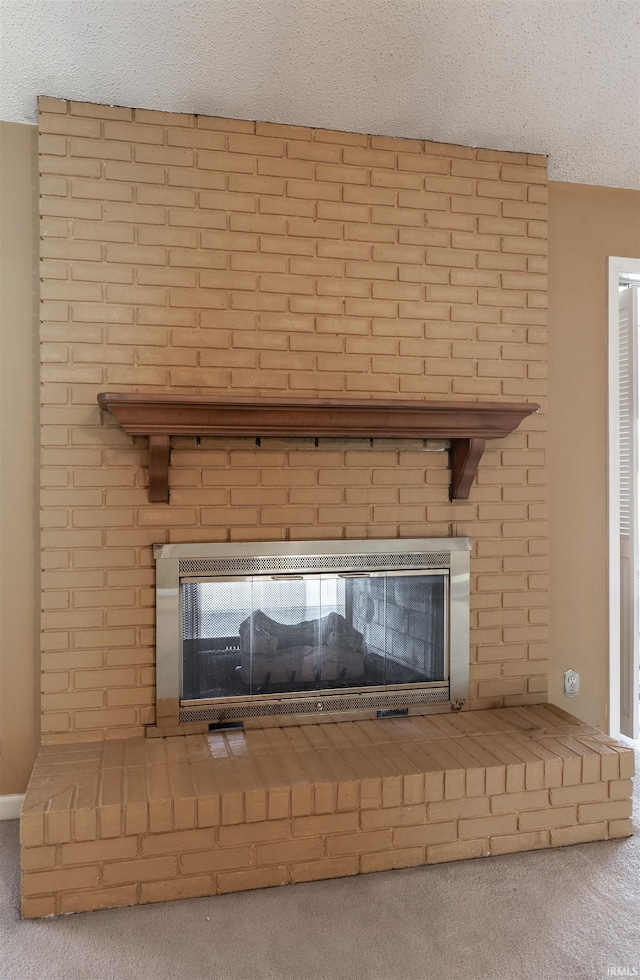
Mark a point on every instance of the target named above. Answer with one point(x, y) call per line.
point(55, 145)
point(627, 764)
point(176, 888)
point(610, 765)
point(404, 816)
point(582, 793)
point(69, 126)
point(216, 859)
point(270, 830)
point(501, 156)
point(177, 843)
point(289, 851)
point(457, 851)
point(144, 869)
point(449, 185)
point(395, 216)
point(434, 786)
point(516, 802)
point(82, 292)
point(429, 833)
point(98, 898)
point(538, 193)
point(512, 843)
point(488, 826)
point(138, 172)
point(317, 191)
point(251, 184)
point(308, 228)
point(609, 810)
point(450, 150)
point(454, 784)
point(107, 717)
point(62, 879)
point(321, 826)
point(259, 145)
point(46, 104)
point(38, 858)
point(138, 213)
point(369, 157)
point(620, 828)
point(427, 163)
point(359, 843)
point(369, 233)
point(302, 209)
point(620, 789)
point(225, 125)
point(467, 168)
point(129, 132)
point(563, 816)
point(561, 836)
point(252, 878)
point(165, 155)
point(38, 908)
point(529, 175)
point(89, 852)
point(272, 167)
point(330, 868)
point(475, 205)
point(342, 250)
point(371, 270)
point(408, 857)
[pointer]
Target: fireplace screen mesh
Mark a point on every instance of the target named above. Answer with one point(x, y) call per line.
point(285, 634)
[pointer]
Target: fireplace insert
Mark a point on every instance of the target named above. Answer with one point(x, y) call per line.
point(308, 627)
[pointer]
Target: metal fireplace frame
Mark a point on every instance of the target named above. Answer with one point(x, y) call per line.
point(176, 562)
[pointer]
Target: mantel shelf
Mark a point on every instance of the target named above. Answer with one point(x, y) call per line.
point(466, 424)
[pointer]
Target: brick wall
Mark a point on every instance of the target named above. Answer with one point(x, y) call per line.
point(199, 254)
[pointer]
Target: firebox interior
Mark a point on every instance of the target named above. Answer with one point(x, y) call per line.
point(244, 636)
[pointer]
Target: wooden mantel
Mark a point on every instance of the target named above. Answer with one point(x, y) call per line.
point(466, 424)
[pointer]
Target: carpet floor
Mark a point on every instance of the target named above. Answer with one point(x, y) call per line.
point(566, 914)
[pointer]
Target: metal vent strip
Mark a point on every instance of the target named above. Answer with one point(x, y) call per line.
point(319, 705)
point(313, 563)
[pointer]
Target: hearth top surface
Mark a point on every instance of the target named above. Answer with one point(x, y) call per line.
point(148, 774)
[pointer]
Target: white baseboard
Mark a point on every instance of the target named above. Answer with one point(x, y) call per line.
point(10, 806)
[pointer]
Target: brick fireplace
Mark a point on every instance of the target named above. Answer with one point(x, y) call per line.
point(200, 255)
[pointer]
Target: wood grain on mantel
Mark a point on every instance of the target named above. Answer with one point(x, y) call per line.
point(466, 424)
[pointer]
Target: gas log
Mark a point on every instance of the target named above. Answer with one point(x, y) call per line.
point(326, 649)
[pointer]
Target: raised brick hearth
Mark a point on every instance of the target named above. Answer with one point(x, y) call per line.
point(133, 821)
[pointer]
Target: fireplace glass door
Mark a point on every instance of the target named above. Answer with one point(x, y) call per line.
point(280, 635)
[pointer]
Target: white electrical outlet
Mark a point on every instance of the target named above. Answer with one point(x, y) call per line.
point(571, 680)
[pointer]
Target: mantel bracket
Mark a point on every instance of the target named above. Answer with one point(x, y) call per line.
point(465, 456)
point(159, 452)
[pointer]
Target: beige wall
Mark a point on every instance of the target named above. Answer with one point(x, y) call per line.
point(19, 616)
point(586, 225)
point(186, 253)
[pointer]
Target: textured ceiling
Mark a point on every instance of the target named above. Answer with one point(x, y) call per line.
point(547, 76)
